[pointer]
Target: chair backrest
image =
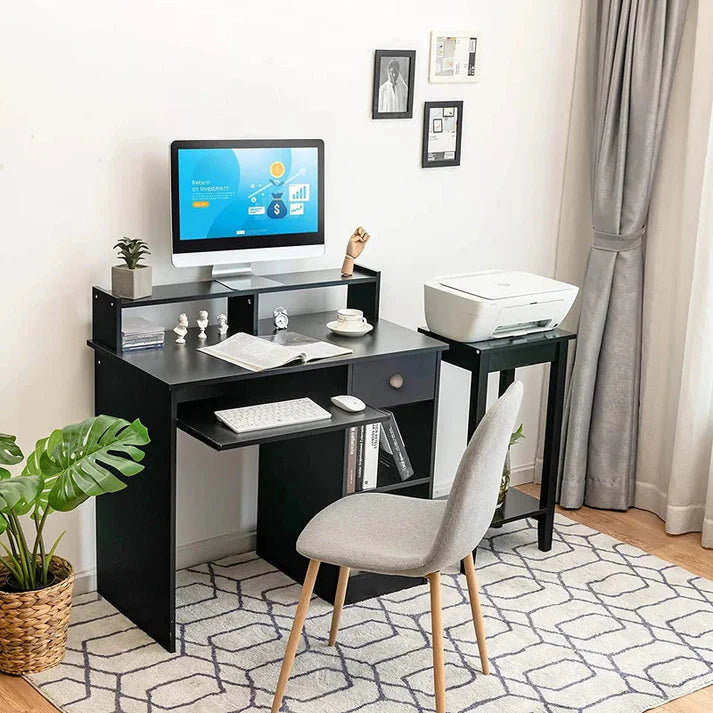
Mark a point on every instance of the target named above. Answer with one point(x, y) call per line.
point(474, 494)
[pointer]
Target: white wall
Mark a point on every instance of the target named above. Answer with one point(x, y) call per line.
point(92, 94)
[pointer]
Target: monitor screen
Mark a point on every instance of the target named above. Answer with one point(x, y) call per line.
point(228, 195)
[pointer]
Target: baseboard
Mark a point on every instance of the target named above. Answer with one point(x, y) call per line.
point(519, 475)
point(188, 555)
point(215, 548)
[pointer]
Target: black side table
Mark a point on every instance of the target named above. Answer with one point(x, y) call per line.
point(504, 356)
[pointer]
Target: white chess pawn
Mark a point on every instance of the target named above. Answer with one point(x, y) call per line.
point(181, 328)
point(222, 324)
point(202, 322)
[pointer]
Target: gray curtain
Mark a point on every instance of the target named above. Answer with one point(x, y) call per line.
point(637, 46)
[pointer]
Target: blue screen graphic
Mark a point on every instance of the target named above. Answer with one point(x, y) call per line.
point(229, 193)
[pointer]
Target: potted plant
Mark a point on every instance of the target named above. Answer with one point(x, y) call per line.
point(132, 279)
point(505, 480)
point(69, 466)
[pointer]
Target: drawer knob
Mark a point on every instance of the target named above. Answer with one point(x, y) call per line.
point(396, 381)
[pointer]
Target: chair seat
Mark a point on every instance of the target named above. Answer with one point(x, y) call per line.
point(375, 532)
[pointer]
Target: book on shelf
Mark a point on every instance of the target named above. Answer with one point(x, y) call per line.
point(362, 457)
point(352, 437)
point(139, 333)
point(262, 353)
point(392, 454)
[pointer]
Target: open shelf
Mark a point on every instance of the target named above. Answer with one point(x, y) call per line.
point(198, 419)
point(516, 506)
point(213, 289)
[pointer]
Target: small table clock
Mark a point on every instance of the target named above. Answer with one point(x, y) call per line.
point(280, 318)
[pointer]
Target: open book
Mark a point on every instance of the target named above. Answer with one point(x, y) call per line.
point(260, 353)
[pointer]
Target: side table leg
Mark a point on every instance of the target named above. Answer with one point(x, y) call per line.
point(553, 436)
point(478, 394)
point(507, 377)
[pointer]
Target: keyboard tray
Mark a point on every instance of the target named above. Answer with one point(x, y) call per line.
point(198, 420)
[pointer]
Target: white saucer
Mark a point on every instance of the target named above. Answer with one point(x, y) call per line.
point(333, 326)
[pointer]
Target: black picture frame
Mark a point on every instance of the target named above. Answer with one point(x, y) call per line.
point(380, 55)
point(428, 158)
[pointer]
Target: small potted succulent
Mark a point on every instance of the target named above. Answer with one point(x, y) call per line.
point(132, 279)
point(68, 467)
point(505, 480)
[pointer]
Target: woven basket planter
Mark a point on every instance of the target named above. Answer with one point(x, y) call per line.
point(33, 625)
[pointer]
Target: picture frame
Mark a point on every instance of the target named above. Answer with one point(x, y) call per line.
point(394, 73)
point(454, 57)
point(442, 134)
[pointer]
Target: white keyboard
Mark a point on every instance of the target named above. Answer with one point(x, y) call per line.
point(274, 415)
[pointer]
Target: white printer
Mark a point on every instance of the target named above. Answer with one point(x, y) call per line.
point(496, 303)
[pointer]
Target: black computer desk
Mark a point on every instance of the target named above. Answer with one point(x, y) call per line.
point(301, 468)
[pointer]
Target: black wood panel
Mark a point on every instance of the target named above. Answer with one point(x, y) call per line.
point(106, 319)
point(297, 479)
point(182, 365)
point(136, 527)
point(198, 419)
point(211, 289)
point(366, 298)
point(371, 381)
point(243, 314)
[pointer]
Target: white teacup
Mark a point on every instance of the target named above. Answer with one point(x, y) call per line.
point(351, 320)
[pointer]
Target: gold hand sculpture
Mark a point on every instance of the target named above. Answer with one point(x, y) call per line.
point(355, 247)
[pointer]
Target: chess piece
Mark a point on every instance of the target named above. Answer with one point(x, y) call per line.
point(181, 328)
point(222, 324)
point(355, 246)
point(202, 322)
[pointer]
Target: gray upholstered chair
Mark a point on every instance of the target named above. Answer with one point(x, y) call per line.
point(391, 534)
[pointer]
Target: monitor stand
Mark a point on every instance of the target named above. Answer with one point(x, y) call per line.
point(240, 277)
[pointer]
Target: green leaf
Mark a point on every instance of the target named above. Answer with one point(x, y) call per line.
point(10, 452)
point(517, 435)
point(81, 460)
point(18, 495)
point(4, 474)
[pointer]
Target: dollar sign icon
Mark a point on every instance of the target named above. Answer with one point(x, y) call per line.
point(277, 208)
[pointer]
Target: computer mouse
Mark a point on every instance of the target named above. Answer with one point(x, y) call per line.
point(348, 403)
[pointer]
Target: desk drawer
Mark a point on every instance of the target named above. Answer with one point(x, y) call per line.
point(393, 381)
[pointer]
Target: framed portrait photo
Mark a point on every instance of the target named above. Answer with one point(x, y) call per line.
point(442, 130)
point(454, 57)
point(393, 84)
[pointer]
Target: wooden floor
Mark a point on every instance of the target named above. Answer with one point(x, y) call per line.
point(636, 527)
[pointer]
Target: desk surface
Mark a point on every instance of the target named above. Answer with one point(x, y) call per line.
point(182, 364)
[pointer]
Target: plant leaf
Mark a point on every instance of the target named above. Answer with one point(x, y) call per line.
point(81, 460)
point(10, 452)
point(18, 495)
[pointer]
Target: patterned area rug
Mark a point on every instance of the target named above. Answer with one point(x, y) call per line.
point(593, 626)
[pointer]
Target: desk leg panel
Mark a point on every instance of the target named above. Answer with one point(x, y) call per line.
point(136, 527)
point(297, 478)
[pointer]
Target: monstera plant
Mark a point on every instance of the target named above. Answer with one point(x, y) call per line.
point(69, 466)
point(65, 469)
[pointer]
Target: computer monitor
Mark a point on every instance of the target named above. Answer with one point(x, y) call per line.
point(236, 202)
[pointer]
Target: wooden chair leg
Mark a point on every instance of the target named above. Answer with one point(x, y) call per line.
point(295, 634)
point(338, 603)
point(469, 566)
point(439, 675)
